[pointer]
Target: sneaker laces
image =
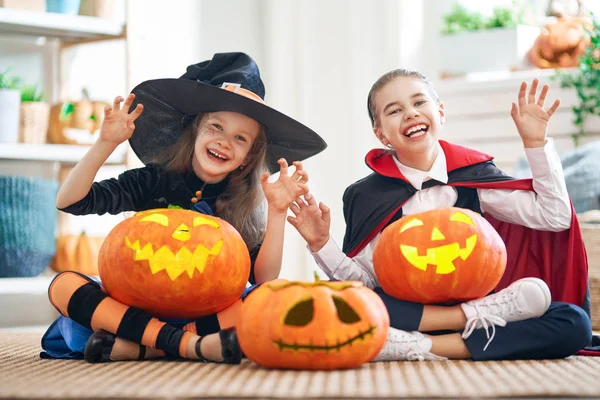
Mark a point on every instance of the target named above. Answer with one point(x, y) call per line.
point(488, 311)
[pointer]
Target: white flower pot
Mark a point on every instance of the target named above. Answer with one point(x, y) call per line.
point(10, 100)
point(499, 49)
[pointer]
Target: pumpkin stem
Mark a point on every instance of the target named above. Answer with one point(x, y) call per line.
point(316, 276)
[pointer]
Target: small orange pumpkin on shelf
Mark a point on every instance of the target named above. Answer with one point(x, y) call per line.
point(312, 325)
point(174, 263)
point(443, 255)
point(77, 253)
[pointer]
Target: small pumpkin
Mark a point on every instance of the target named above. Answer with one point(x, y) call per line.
point(77, 253)
point(443, 255)
point(560, 44)
point(317, 326)
point(174, 263)
point(69, 119)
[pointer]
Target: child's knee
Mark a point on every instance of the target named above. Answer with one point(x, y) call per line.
point(62, 287)
point(576, 330)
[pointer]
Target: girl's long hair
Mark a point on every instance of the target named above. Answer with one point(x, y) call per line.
point(242, 203)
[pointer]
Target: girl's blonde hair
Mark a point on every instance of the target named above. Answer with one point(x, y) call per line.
point(387, 78)
point(242, 202)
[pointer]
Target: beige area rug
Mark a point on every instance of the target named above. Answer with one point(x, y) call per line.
point(24, 375)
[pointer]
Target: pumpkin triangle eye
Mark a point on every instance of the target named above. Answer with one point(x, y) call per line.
point(346, 314)
point(301, 314)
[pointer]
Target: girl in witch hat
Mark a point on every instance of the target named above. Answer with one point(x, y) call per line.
point(208, 141)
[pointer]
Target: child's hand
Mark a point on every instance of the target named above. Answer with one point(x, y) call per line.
point(282, 193)
point(312, 221)
point(530, 117)
point(118, 124)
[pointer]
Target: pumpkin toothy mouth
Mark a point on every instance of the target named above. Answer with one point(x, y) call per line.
point(441, 257)
point(174, 264)
point(326, 347)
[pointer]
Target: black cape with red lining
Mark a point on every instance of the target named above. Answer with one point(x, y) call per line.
point(559, 258)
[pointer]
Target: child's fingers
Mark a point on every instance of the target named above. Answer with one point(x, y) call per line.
point(303, 189)
point(310, 199)
point(325, 212)
point(554, 107)
point(522, 91)
point(264, 177)
point(302, 176)
point(128, 102)
point(301, 203)
point(283, 167)
point(514, 112)
point(117, 103)
point(543, 94)
point(533, 91)
point(295, 209)
point(298, 165)
point(107, 111)
point(137, 111)
point(293, 221)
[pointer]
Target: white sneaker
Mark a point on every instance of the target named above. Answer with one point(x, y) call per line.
point(522, 299)
point(407, 346)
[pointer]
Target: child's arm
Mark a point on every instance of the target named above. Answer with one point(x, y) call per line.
point(117, 127)
point(280, 195)
point(549, 207)
point(313, 222)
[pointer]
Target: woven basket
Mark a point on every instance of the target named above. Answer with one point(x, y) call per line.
point(27, 224)
point(34, 120)
point(590, 230)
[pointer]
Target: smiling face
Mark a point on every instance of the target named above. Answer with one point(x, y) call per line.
point(223, 144)
point(448, 254)
point(174, 263)
point(305, 325)
point(407, 117)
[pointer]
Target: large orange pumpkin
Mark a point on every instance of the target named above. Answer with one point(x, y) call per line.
point(174, 263)
point(438, 256)
point(304, 325)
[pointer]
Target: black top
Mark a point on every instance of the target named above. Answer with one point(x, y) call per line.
point(147, 188)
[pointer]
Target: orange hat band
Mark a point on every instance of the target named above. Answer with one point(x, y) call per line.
point(236, 88)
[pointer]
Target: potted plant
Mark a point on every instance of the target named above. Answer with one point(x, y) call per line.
point(586, 82)
point(35, 116)
point(10, 98)
point(471, 42)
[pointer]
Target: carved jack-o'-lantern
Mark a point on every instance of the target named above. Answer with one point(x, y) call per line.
point(442, 255)
point(304, 325)
point(174, 263)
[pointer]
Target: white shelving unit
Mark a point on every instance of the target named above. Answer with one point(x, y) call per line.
point(67, 28)
point(24, 301)
point(62, 153)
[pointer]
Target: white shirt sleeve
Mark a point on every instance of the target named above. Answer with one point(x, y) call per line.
point(548, 208)
point(336, 265)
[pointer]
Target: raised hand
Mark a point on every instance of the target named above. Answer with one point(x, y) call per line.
point(312, 221)
point(282, 193)
point(118, 124)
point(530, 117)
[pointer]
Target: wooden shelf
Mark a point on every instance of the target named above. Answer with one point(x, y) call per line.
point(68, 28)
point(66, 154)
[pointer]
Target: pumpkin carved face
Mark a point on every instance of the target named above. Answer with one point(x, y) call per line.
point(174, 263)
point(320, 325)
point(442, 255)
